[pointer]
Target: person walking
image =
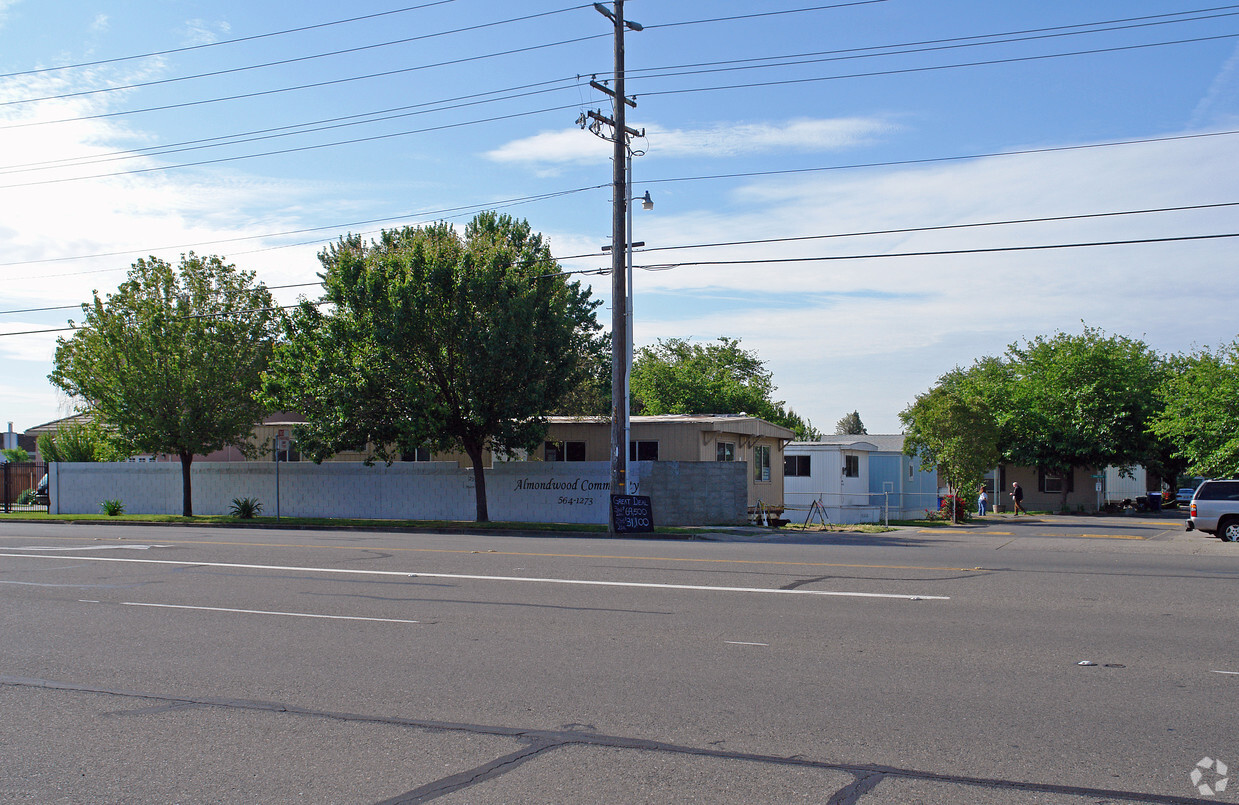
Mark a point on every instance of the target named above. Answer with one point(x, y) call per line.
point(1017, 499)
point(982, 499)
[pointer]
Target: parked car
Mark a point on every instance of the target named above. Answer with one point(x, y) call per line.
point(1215, 510)
point(41, 497)
point(1184, 495)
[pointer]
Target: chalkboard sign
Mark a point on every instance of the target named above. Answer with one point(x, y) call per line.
point(632, 514)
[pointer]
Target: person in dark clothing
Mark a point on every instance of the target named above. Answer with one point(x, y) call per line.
point(1017, 499)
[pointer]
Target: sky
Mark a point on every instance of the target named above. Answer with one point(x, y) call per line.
point(854, 181)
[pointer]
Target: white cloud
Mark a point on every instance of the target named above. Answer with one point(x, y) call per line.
point(101, 23)
point(574, 146)
point(201, 32)
point(835, 332)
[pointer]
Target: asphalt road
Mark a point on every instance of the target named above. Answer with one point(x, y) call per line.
point(212, 665)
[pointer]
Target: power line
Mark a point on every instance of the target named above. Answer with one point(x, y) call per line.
point(225, 41)
point(423, 214)
point(647, 94)
point(315, 85)
point(705, 177)
point(851, 54)
point(833, 235)
point(293, 60)
point(880, 255)
point(475, 99)
point(949, 39)
point(766, 261)
point(904, 70)
point(381, 115)
point(298, 149)
point(761, 14)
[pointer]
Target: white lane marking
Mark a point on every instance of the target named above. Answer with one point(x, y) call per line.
point(89, 548)
point(461, 577)
point(266, 612)
point(740, 643)
point(1235, 673)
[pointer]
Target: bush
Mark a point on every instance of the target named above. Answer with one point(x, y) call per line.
point(961, 511)
point(112, 508)
point(246, 508)
point(26, 498)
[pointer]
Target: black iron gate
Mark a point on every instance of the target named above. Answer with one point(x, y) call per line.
point(23, 488)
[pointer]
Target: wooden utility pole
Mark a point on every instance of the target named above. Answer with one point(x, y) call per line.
point(619, 252)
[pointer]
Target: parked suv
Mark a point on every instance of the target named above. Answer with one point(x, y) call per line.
point(1215, 509)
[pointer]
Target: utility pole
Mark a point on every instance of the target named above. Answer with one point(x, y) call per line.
point(619, 250)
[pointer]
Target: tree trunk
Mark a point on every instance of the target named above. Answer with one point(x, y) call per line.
point(187, 493)
point(479, 481)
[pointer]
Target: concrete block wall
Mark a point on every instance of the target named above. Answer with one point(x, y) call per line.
point(682, 493)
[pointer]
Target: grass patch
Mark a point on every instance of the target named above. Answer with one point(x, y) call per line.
point(327, 522)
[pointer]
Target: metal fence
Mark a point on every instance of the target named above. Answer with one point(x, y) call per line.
point(21, 483)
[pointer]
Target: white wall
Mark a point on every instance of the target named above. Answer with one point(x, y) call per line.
point(683, 493)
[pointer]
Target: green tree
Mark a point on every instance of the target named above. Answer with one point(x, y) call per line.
point(79, 441)
point(17, 455)
point(1071, 401)
point(952, 428)
point(850, 425)
point(676, 376)
point(172, 361)
point(456, 343)
point(1200, 411)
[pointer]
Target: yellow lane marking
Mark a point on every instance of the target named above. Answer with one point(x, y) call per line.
point(545, 555)
point(1041, 534)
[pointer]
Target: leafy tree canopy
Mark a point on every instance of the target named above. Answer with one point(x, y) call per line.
point(850, 425)
point(436, 340)
point(1072, 401)
point(171, 362)
point(951, 427)
point(80, 441)
point(1200, 411)
point(676, 376)
point(17, 455)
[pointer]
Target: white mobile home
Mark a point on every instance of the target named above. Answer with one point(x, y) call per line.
point(857, 479)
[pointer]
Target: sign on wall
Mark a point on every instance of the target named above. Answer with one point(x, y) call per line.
point(632, 514)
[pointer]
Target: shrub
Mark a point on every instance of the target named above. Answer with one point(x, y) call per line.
point(961, 511)
point(26, 498)
point(246, 508)
point(112, 508)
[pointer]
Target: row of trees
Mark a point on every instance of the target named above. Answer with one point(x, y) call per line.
point(424, 337)
point(1067, 401)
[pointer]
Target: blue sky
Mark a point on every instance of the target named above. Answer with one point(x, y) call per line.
point(858, 118)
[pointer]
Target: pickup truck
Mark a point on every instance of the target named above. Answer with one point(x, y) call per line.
point(1215, 510)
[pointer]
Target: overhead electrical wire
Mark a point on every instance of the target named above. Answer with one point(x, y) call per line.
point(765, 241)
point(634, 70)
point(830, 56)
point(314, 85)
point(646, 94)
point(705, 177)
point(298, 149)
point(398, 112)
point(905, 70)
point(293, 60)
point(761, 14)
point(767, 261)
point(222, 42)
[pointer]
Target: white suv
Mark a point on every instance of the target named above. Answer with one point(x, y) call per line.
point(1215, 510)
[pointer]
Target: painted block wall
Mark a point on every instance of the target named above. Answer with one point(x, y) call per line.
point(682, 493)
